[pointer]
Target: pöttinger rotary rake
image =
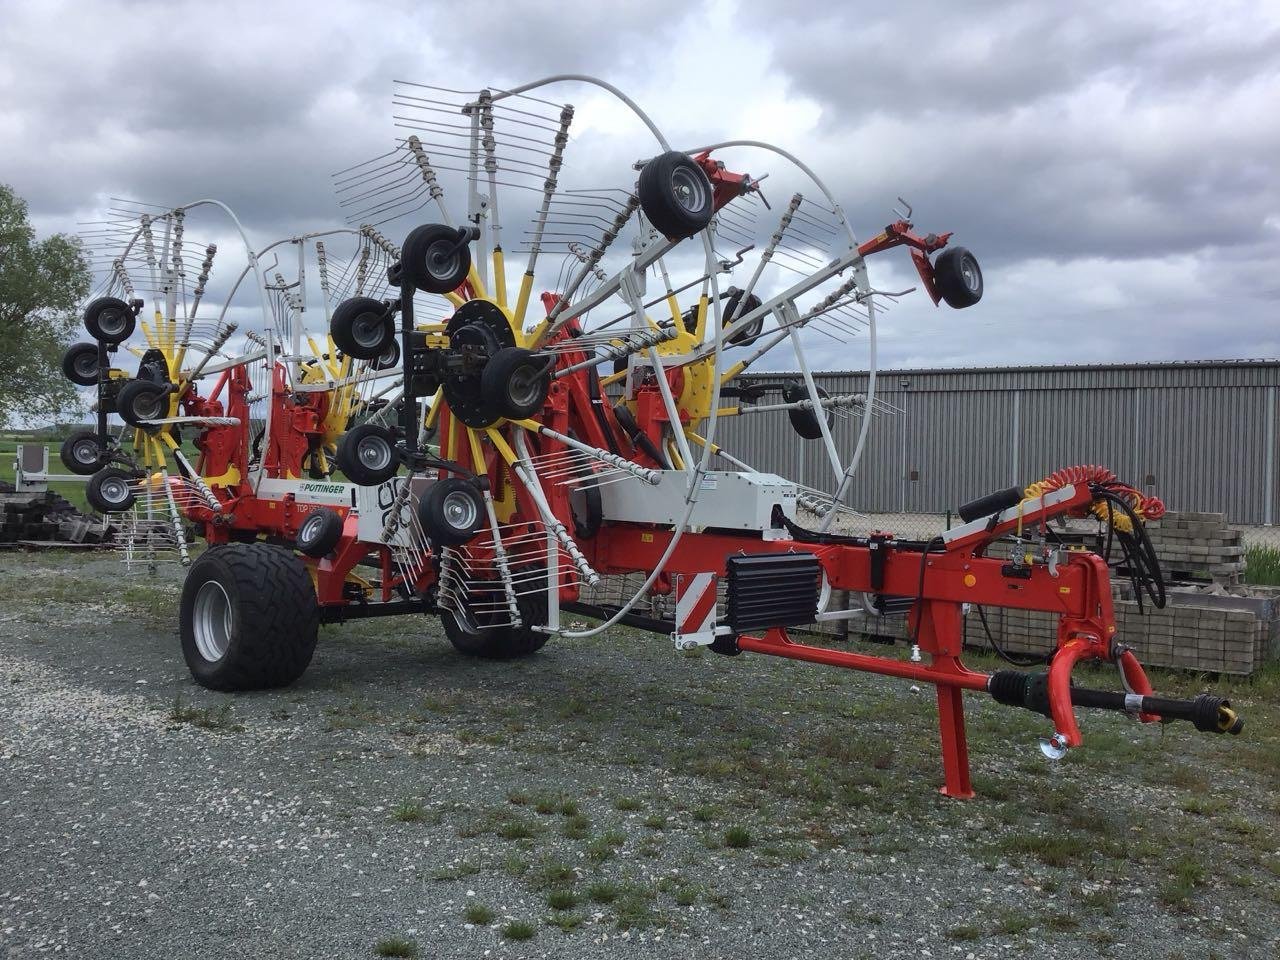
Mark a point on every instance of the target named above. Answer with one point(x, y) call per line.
point(523, 458)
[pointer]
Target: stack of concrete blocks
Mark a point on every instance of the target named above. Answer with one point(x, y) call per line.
point(1198, 546)
point(1216, 626)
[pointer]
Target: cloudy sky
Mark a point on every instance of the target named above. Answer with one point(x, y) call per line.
point(1115, 168)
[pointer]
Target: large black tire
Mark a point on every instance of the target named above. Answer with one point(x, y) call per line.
point(141, 400)
point(109, 319)
point(431, 259)
point(248, 618)
point(675, 195)
point(110, 490)
point(451, 512)
point(516, 381)
point(500, 642)
point(805, 422)
point(367, 454)
point(957, 277)
point(361, 327)
point(81, 453)
point(319, 533)
point(80, 364)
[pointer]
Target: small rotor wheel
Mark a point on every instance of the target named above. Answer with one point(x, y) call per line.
point(81, 453)
point(111, 490)
point(451, 512)
point(389, 359)
point(516, 381)
point(736, 307)
point(361, 327)
point(957, 277)
point(367, 454)
point(143, 400)
point(805, 421)
point(80, 364)
point(435, 258)
point(675, 195)
point(319, 533)
point(109, 320)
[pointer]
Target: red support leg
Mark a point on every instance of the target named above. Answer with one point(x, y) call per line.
point(955, 746)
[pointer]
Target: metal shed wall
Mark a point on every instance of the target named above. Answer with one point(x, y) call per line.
point(1202, 435)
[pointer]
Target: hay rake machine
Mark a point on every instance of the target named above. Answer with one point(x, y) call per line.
point(515, 450)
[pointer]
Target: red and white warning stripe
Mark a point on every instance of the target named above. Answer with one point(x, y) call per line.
point(695, 609)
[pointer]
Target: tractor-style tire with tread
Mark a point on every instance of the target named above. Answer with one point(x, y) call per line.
point(255, 603)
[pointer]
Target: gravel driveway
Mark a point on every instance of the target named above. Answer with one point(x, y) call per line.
point(607, 798)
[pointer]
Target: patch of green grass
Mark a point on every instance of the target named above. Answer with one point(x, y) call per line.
point(567, 922)
point(562, 900)
point(519, 930)
point(634, 908)
point(627, 803)
point(604, 846)
point(1061, 921)
point(705, 813)
point(518, 797)
point(1012, 923)
point(687, 896)
point(602, 891)
point(577, 826)
point(206, 718)
point(965, 932)
point(655, 821)
point(1262, 565)
point(1053, 849)
point(1185, 874)
point(395, 947)
point(479, 914)
point(409, 811)
point(551, 874)
point(516, 830)
point(738, 837)
point(456, 871)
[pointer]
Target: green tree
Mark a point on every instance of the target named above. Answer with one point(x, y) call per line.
point(41, 282)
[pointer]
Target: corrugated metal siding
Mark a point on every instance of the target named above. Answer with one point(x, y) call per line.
point(1205, 433)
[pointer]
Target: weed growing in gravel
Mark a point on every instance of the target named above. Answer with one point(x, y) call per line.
point(1054, 849)
point(965, 932)
point(604, 846)
point(627, 803)
point(518, 797)
point(455, 871)
point(550, 874)
point(634, 908)
point(602, 891)
point(519, 930)
point(687, 896)
point(738, 837)
point(704, 814)
point(655, 821)
point(1013, 923)
point(479, 914)
point(206, 718)
point(562, 900)
point(1186, 874)
point(396, 947)
point(577, 826)
point(516, 865)
point(409, 811)
point(566, 921)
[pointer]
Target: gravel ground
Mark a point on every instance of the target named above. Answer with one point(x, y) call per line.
point(672, 806)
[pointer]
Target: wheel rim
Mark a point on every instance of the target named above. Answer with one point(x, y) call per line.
point(310, 528)
point(367, 330)
point(211, 621)
point(149, 407)
point(459, 511)
point(111, 322)
point(85, 451)
point(689, 189)
point(442, 261)
point(87, 364)
point(524, 389)
point(969, 273)
point(115, 491)
point(373, 453)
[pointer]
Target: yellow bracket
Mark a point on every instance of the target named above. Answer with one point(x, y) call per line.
point(499, 278)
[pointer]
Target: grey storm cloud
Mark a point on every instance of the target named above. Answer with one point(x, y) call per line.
point(1114, 166)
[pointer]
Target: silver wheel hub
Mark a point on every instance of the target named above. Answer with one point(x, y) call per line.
point(114, 490)
point(211, 621)
point(367, 330)
point(459, 511)
point(374, 453)
point(689, 190)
